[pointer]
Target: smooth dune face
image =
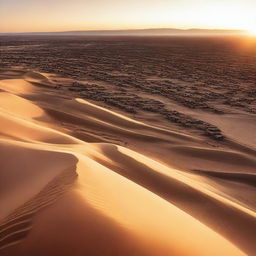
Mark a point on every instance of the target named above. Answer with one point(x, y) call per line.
point(68, 189)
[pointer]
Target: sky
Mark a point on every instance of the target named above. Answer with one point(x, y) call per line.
point(65, 15)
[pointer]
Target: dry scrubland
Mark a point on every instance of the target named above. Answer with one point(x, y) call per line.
point(136, 74)
point(104, 140)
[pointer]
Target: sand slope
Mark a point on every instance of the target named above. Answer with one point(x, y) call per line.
point(68, 189)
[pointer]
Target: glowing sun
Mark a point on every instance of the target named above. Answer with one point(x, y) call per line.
point(252, 31)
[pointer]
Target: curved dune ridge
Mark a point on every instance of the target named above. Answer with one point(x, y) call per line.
point(71, 186)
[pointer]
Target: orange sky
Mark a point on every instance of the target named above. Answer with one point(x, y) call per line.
point(62, 15)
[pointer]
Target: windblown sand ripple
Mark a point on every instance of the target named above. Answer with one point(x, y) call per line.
point(17, 225)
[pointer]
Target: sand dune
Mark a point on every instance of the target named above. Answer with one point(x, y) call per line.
point(17, 225)
point(79, 179)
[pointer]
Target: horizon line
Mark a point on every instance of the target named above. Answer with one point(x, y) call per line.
point(130, 29)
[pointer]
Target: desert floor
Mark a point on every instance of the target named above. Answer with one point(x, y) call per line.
point(90, 167)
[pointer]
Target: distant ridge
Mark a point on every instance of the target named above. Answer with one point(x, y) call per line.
point(137, 32)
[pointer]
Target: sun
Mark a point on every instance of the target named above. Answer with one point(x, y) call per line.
point(252, 31)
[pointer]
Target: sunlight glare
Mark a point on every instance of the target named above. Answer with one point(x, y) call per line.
point(252, 31)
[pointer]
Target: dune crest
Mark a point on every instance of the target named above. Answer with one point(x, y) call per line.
point(82, 179)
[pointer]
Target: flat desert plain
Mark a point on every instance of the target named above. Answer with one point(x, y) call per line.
point(127, 146)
